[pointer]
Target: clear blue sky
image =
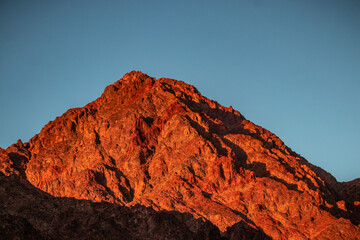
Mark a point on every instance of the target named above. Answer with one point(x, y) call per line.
point(292, 67)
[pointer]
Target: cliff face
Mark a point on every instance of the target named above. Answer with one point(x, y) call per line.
point(161, 144)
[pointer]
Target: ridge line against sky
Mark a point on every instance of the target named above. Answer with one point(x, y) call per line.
point(291, 67)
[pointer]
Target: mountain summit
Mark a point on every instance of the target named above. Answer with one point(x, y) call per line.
point(159, 143)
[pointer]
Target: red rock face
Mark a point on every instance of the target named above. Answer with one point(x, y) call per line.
point(161, 144)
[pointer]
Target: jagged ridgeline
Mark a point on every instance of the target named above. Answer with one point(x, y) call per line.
point(158, 151)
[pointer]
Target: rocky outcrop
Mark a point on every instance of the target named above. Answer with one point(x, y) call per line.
point(159, 143)
point(28, 213)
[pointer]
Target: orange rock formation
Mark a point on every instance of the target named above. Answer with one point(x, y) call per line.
point(161, 144)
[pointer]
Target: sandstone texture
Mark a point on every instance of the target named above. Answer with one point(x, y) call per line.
point(158, 151)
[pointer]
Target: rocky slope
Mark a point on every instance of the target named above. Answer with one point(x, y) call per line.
point(159, 143)
point(28, 213)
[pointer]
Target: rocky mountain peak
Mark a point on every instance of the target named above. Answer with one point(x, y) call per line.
point(161, 144)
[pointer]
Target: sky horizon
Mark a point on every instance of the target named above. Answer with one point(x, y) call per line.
point(290, 67)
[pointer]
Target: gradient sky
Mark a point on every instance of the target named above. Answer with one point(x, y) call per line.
point(292, 67)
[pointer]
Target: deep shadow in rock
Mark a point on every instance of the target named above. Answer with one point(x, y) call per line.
point(242, 231)
point(17, 227)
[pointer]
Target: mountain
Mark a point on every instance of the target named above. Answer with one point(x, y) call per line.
point(187, 167)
